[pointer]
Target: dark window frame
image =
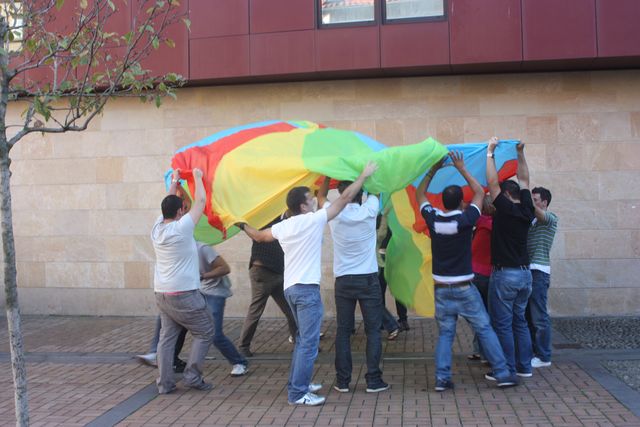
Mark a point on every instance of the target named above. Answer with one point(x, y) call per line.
point(443, 17)
point(376, 18)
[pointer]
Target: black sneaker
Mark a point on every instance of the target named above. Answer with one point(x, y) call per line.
point(510, 381)
point(404, 325)
point(179, 365)
point(377, 388)
point(442, 385)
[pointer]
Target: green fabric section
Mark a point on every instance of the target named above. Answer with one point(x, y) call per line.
point(342, 155)
point(402, 259)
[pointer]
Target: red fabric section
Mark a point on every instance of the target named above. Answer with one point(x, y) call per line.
point(207, 158)
point(481, 246)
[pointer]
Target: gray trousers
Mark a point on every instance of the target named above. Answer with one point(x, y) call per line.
point(264, 284)
point(184, 310)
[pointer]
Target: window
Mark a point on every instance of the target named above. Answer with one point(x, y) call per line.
point(413, 9)
point(347, 12)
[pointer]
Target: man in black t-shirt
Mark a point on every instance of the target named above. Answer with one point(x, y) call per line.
point(266, 269)
point(451, 231)
point(510, 283)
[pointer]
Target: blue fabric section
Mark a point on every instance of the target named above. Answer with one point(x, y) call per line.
point(475, 158)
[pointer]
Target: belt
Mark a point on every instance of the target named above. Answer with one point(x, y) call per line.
point(505, 267)
point(452, 285)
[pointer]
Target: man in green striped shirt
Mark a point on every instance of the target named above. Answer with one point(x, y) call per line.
point(540, 240)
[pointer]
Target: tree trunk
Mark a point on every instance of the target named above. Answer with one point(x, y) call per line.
point(11, 289)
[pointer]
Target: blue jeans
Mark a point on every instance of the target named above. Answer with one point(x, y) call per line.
point(538, 317)
point(452, 301)
point(365, 290)
point(509, 290)
point(306, 307)
point(220, 341)
point(482, 284)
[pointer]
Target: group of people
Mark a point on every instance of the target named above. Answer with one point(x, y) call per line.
point(286, 265)
point(492, 267)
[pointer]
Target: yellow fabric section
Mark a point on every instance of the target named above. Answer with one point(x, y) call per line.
point(275, 164)
point(423, 293)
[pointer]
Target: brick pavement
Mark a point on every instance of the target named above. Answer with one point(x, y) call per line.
point(81, 371)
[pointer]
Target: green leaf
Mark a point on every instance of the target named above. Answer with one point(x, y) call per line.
point(156, 43)
point(187, 22)
point(83, 4)
point(158, 101)
point(59, 4)
point(111, 5)
point(170, 43)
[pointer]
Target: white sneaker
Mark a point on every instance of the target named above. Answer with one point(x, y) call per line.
point(537, 363)
point(150, 359)
point(238, 370)
point(314, 387)
point(291, 339)
point(309, 399)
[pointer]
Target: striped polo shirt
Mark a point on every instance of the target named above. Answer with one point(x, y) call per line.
point(540, 240)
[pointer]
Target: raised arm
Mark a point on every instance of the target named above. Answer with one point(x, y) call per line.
point(523, 169)
point(175, 179)
point(492, 174)
point(217, 268)
point(540, 214)
point(199, 197)
point(323, 191)
point(259, 236)
point(424, 184)
point(478, 192)
point(349, 193)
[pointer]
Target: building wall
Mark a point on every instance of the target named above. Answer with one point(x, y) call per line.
point(83, 203)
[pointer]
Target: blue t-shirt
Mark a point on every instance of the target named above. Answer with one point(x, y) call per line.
point(451, 233)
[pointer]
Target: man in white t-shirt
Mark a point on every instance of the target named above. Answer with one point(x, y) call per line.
point(300, 236)
point(176, 282)
point(355, 268)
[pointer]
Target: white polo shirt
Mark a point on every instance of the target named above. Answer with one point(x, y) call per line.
point(301, 239)
point(354, 238)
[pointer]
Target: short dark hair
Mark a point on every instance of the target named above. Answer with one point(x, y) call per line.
point(544, 194)
point(342, 185)
point(170, 206)
point(451, 197)
point(296, 197)
point(512, 188)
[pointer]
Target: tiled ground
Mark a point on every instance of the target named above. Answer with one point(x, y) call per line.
point(88, 370)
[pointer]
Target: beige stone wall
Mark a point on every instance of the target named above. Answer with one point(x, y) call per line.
point(83, 203)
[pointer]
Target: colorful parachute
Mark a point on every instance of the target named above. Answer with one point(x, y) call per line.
point(248, 171)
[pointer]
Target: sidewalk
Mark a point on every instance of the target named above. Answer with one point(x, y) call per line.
point(82, 372)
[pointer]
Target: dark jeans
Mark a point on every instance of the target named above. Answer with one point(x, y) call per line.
point(365, 290)
point(264, 284)
point(220, 340)
point(538, 316)
point(509, 290)
point(400, 309)
point(482, 285)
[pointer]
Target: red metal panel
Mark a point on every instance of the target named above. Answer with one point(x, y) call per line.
point(216, 18)
point(618, 27)
point(486, 31)
point(219, 57)
point(120, 21)
point(282, 15)
point(167, 59)
point(347, 48)
point(407, 45)
point(282, 53)
point(558, 29)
